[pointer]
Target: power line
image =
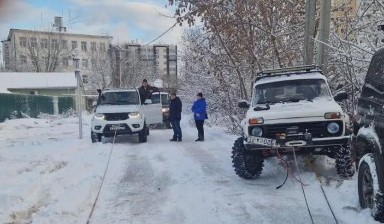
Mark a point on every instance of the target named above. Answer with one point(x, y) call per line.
point(170, 28)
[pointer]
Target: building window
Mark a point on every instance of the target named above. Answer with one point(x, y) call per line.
point(83, 46)
point(74, 45)
point(23, 42)
point(93, 46)
point(44, 43)
point(64, 44)
point(33, 42)
point(33, 92)
point(84, 63)
point(65, 62)
point(23, 59)
point(102, 46)
point(54, 44)
point(85, 79)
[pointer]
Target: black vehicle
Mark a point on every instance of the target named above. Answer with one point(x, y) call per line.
point(369, 129)
point(165, 98)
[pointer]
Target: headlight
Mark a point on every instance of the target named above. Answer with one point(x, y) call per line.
point(332, 115)
point(165, 110)
point(134, 115)
point(100, 116)
point(333, 128)
point(257, 131)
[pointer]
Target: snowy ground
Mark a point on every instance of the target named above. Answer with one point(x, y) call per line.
point(48, 175)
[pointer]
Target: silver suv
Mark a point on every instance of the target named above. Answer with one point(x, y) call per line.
point(292, 109)
point(120, 112)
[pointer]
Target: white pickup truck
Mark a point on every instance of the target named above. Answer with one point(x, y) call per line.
point(119, 112)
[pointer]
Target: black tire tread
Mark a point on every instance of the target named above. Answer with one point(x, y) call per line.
point(344, 165)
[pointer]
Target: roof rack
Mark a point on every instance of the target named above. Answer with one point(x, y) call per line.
point(286, 71)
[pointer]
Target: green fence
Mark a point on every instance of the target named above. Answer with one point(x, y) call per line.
point(17, 105)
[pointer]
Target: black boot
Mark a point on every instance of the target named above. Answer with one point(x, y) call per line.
point(173, 139)
point(179, 139)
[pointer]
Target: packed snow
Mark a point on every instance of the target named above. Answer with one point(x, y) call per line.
point(48, 175)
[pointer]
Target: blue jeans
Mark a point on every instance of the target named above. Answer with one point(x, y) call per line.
point(176, 129)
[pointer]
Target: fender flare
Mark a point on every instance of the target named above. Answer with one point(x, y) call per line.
point(374, 147)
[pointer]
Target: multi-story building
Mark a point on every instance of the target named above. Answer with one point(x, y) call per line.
point(343, 13)
point(41, 51)
point(157, 61)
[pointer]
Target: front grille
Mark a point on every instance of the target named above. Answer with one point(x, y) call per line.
point(123, 128)
point(116, 116)
point(317, 129)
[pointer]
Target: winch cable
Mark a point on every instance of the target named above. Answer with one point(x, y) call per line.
point(301, 184)
point(102, 180)
point(287, 168)
point(324, 194)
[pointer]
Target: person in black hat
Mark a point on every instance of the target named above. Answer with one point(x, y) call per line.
point(146, 91)
point(175, 108)
point(199, 110)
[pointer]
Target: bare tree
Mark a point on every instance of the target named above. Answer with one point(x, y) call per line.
point(42, 52)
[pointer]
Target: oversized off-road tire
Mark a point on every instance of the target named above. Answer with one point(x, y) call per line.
point(369, 195)
point(344, 165)
point(247, 164)
point(95, 137)
point(143, 134)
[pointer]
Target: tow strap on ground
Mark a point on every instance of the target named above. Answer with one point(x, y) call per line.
point(102, 181)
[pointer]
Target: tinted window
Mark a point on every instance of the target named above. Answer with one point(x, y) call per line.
point(119, 98)
point(374, 81)
point(164, 99)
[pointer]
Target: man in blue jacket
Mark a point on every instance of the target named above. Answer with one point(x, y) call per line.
point(199, 110)
point(175, 108)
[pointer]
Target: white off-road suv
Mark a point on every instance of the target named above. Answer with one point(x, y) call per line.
point(120, 112)
point(292, 109)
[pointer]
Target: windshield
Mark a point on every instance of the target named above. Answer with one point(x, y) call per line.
point(291, 91)
point(119, 98)
point(164, 99)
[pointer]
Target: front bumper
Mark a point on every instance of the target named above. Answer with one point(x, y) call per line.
point(314, 144)
point(129, 126)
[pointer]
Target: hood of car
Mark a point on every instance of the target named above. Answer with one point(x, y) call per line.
point(102, 109)
point(302, 109)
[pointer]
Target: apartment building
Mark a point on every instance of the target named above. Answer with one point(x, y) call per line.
point(41, 51)
point(158, 61)
point(344, 12)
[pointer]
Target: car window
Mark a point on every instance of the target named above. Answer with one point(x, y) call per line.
point(119, 98)
point(374, 81)
point(291, 91)
point(164, 99)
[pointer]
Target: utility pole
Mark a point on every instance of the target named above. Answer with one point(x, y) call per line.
point(325, 22)
point(310, 12)
point(78, 95)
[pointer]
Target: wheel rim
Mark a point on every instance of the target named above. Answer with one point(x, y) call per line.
point(368, 188)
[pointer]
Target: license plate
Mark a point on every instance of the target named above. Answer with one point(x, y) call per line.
point(116, 128)
point(263, 141)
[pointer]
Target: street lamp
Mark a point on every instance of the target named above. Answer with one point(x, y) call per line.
point(76, 66)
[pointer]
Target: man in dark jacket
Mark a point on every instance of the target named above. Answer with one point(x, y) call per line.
point(199, 110)
point(146, 91)
point(175, 108)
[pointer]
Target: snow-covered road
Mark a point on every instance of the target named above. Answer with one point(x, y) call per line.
point(49, 176)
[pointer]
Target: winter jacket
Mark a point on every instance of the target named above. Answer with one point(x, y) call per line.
point(175, 108)
point(146, 93)
point(199, 109)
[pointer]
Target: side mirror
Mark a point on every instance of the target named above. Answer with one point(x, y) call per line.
point(148, 101)
point(243, 104)
point(340, 96)
point(94, 103)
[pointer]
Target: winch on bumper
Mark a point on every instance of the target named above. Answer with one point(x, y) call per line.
point(291, 139)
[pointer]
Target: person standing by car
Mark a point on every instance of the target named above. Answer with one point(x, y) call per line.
point(146, 91)
point(175, 108)
point(199, 110)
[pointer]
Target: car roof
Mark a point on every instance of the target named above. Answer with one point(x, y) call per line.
point(119, 90)
point(287, 77)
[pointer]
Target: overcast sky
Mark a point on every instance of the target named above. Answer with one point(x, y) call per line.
point(124, 20)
